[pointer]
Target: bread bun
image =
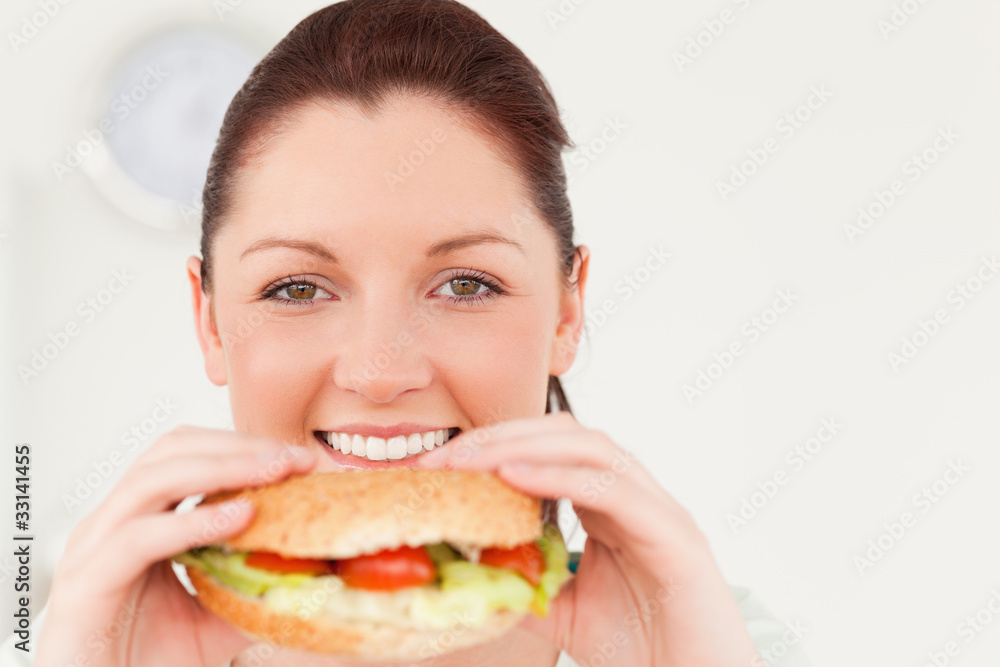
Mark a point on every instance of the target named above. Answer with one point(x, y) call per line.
point(358, 640)
point(345, 514)
point(353, 512)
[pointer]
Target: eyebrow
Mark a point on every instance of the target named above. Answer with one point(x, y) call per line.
point(308, 246)
point(475, 238)
point(440, 248)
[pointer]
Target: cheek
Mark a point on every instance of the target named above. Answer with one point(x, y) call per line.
point(271, 382)
point(498, 372)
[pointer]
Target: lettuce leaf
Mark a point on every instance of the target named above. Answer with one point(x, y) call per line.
point(464, 590)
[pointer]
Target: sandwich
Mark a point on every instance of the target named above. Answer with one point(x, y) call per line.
point(390, 564)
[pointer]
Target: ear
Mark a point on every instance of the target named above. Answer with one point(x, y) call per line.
point(204, 323)
point(571, 316)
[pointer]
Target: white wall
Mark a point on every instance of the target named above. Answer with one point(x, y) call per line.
point(682, 131)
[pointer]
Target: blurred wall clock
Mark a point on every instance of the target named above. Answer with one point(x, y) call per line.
point(159, 111)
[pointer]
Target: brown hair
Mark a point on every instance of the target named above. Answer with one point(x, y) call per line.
point(365, 51)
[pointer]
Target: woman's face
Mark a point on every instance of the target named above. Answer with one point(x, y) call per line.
point(382, 278)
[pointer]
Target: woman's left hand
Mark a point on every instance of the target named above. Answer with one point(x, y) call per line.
point(647, 590)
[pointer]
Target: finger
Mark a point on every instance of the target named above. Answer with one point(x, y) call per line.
point(189, 441)
point(632, 506)
point(156, 487)
point(470, 442)
point(578, 447)
point(146, 540)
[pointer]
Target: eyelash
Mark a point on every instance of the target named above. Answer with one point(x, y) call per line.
point(475, 275)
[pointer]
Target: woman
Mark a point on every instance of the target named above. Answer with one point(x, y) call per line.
point(387, 243)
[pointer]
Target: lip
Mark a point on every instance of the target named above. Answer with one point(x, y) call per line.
point(344, 461)
point(366, 430)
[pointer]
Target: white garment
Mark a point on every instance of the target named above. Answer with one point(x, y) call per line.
point(769, 636)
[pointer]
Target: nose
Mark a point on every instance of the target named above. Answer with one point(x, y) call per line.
point(382, 356)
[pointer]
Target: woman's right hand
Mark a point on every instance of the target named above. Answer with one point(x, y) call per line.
point(115, 600)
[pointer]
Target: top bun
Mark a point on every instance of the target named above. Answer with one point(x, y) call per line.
point(353, 512)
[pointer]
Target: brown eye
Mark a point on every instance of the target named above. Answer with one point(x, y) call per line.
point(465, 286)
point(303, 291)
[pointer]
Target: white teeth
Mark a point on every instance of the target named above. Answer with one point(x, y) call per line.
point(380, 449)
point(395, 447)
point(375, 448)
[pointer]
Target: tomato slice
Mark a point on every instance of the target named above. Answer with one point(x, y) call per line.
point(266, 560)
point(526, 559)
point(388, 570)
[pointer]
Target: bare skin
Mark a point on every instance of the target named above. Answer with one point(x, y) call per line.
point(369, 329)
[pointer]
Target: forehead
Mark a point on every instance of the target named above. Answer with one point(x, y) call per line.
point(415, 171)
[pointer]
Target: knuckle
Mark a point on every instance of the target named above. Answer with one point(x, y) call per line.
point(605, 443)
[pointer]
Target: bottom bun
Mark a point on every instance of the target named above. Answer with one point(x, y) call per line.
point(358, 640)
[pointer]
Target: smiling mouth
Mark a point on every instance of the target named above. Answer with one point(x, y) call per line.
point(386, 449)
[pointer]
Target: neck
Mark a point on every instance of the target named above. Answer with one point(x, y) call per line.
point(517, 647)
